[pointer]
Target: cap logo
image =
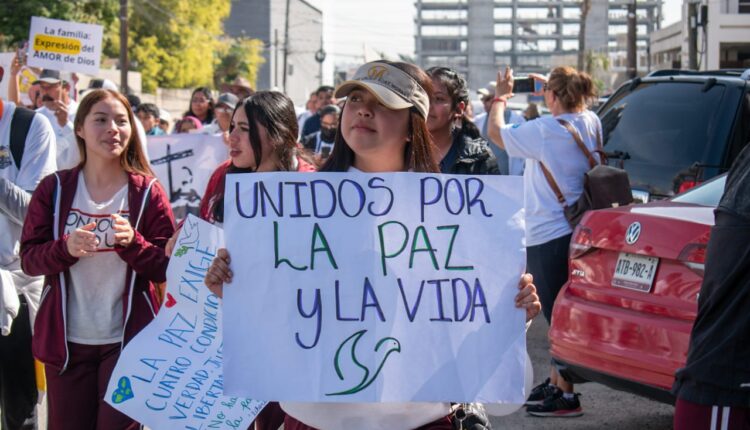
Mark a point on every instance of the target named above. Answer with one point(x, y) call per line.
point(376, 72)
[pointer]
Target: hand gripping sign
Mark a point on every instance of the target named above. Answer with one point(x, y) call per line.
point(353, 287)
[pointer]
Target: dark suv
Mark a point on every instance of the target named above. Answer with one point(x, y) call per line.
point(675, 128)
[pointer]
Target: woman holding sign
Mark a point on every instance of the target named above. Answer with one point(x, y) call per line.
point(383, 128)
point(97, 233)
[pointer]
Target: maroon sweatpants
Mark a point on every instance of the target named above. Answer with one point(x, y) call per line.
point(76, 398)
point(693, 416)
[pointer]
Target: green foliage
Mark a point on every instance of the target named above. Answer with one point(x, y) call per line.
point(173, 42)
point(239, 58)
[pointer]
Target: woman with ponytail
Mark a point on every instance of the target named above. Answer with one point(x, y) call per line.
point(553, 160)
point(460, 148)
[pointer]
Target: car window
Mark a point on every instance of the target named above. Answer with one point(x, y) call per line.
point(668, 123)
point(708, 194)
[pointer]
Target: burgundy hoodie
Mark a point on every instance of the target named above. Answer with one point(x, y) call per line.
point(44, 252)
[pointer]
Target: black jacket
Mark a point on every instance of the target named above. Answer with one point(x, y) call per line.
point(469, 156)
point(717, 371)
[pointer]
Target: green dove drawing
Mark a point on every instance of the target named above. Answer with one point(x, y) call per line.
point(347, 353)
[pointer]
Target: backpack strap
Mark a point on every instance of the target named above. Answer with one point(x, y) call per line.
point(592, 161)
point(19, 129)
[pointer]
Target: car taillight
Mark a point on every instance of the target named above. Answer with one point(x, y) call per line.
point(686, 185)
point(694, 257)
point(581, 242)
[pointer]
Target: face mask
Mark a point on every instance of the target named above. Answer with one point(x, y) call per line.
point(327, 134)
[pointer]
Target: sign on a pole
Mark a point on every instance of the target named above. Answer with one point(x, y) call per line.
point(65, 45)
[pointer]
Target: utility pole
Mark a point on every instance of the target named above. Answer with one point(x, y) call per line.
point(632, 58)
point(286, 43)
point(692, 36)
point(275, 57)
point(124, 46)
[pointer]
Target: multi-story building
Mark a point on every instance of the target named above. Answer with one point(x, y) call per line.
point(265, 20)
point(720, 39)
point(477, 36)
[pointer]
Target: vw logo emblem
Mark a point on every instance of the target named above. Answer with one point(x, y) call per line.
point(633, 233)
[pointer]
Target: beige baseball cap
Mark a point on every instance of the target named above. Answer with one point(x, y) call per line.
point(393, 87)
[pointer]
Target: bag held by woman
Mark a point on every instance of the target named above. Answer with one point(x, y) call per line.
point(604, 186)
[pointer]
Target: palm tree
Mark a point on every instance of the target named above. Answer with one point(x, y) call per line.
point(585, 7)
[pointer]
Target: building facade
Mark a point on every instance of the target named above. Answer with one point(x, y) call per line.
point(720, 38)
point(476, 36)
point(266, 20)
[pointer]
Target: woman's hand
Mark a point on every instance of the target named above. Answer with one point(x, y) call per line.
point(169, 247)
point(82, 242)
point(538, 78)
point(504, 84)
point(123, 230)
point(219, 273)
point(527, 297)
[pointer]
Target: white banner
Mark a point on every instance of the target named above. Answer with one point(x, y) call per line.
point(65, 45)
point(184, 164)
point(170, 375)
point(396, 287)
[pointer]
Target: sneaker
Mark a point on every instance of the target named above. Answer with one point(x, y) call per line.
point(541, 392)
point(557, 406)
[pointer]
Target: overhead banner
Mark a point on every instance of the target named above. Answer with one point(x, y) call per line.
point(65, 45)
point(354, 287)
point(184, 164)
point(170, 375)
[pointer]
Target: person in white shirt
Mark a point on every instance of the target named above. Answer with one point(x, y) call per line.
point(21, 293)
point(546, 143)
point(60, 110)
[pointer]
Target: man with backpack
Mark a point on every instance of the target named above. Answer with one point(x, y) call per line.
point(27, 154)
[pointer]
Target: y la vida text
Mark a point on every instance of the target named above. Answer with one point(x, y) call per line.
point(456, 299)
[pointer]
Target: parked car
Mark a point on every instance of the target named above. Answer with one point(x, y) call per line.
point(675, 129)
point(624, 317)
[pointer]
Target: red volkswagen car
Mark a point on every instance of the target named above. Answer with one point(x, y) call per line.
point(624, 317)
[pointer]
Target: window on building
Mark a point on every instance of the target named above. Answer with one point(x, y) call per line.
point(503, 29)
point(570, 45)
point(444, 14)
point(531, 13)
point(444, 30)
point(503, 45)
point(502, 13)
point(450, 45)
point(571, 29)
point(744, 6)
point(572, 12)
point(454, 61)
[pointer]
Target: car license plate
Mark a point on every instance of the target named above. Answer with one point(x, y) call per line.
point(635, 272)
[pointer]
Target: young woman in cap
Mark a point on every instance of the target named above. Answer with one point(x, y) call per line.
point(460, 147)
point(97, 233)
point(381, 130)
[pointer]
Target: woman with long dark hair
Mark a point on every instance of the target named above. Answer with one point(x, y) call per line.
point(97, 233)
point(201, 105)
point(460, 147)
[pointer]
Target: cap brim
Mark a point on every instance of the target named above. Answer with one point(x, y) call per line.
point(384, 95)
point(48, 81)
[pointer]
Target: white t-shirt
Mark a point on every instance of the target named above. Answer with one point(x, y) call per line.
point(38, 161)
point(97, 283)
point(546, 140)
point(67, 148)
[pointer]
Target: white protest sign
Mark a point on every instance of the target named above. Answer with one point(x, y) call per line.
point(184, 164)
point(395, 287)
point(170, 375)
point(65, 45)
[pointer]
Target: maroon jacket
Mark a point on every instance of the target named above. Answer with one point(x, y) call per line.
point(44, 252)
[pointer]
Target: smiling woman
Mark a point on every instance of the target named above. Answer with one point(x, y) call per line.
point(96, 232)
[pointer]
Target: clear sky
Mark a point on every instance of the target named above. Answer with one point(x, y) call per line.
point(387, 26)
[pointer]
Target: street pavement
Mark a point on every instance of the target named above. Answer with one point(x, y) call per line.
point(603, 407)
